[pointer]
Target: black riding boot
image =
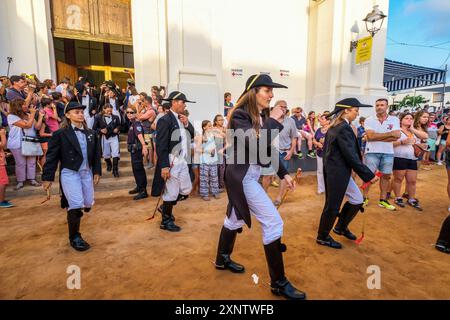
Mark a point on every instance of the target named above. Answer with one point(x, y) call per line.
point(167, 222)
point(279, 284)
point(116, 167)
point(443, 242)
point(348, 213)
point(73, 221)
point(108, 165)
point(225, 248)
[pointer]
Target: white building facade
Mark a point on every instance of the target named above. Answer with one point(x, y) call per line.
point(207, 47)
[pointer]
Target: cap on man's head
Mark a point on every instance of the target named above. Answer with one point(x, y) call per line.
point(14, 79)
point(73, 105)
point(176, 95)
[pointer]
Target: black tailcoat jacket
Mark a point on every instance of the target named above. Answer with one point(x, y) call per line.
point(64, 148)
point(166, 128)
point(100, 123)
point(341, 155)
point(93, 104)
point(235, 172)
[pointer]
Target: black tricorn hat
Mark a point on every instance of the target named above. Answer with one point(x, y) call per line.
point(72, 106)
point(346, 104)
point(260, 80)
point(176, 95)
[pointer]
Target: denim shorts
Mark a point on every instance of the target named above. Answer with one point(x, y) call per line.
point(284, 162)
point(382, 162)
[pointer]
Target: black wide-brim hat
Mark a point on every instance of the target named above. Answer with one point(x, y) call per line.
point(176, 95)
point(347, 104)
point(73, 106)
point(260, 80)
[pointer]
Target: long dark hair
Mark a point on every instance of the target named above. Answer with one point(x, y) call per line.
point(204, 124)
point(417, 123)
point(216, 119)
point(248, 103)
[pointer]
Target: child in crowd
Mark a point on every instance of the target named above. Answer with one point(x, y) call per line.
point(206, 147)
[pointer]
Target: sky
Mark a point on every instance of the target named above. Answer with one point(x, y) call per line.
point(420, 23)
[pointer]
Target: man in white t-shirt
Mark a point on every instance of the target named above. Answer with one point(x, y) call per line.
point(382, 130)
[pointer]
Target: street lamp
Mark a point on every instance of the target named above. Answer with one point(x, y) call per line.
point(375, 19)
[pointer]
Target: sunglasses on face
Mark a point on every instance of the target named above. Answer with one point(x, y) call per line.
point(130, 112)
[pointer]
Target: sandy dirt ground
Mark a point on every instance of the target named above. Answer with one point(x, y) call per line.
point(131, 258)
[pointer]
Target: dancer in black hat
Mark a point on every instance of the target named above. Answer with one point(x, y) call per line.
point(107, 127)
point(77, 150)
point(172, 179)
point(341, 155)
point(245, 194)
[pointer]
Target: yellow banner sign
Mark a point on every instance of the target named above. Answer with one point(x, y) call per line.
point(364, 50)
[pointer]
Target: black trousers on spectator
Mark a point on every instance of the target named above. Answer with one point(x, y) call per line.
point(140, 176)
point(444, 235)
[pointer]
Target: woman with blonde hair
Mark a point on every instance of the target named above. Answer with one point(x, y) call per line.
point(341, 156)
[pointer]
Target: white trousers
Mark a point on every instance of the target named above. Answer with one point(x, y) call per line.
point(353, 193)
point(110, 147)
point(178, 183)
point(320, 179)
point(78, 187)
point(260, 206)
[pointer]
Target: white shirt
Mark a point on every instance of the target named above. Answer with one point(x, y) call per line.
point(85, 102)
point(405, 151)
point(208, 146)
point(390, 124)
point(132, 99)
point(112, 102)
point(184, 145)
point(15, 132)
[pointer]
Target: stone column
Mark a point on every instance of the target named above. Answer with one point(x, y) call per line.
point(149, 43)
point(25, 35)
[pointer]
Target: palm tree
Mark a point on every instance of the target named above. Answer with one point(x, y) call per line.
point(412, 101)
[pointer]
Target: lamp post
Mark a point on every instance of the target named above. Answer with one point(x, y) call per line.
point(9, 59)
point(376, 19)
point(374, 22)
